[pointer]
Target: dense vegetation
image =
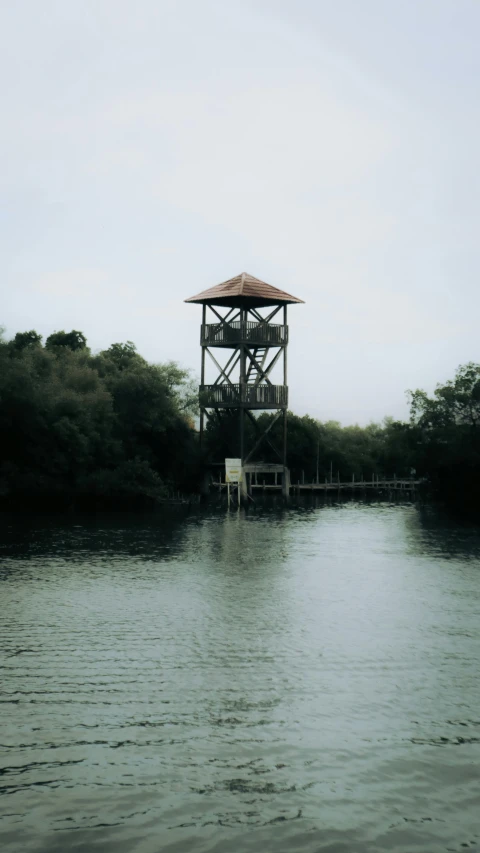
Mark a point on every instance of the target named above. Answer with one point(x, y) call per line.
point(332, 450)
point(445, 437)
point(440, 444)
point(78, 429)
point(111, 430)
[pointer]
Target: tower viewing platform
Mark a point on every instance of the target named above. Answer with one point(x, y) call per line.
point(249, 332)
point(261, 396)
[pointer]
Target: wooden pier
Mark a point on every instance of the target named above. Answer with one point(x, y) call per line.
point(375, 484)
point(270, 478)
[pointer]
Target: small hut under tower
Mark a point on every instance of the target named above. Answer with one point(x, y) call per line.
point(247, 320)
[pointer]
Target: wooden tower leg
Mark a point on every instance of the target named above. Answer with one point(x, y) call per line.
point(202, 378)
point(242, 435)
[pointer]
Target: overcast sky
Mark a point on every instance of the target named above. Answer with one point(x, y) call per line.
point(151, 149)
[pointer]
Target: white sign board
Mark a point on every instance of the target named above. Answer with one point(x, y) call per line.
point(233, 470)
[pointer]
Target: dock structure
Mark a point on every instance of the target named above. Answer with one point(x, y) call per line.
point(259, 479)
point(260, 475)
point(244, 342)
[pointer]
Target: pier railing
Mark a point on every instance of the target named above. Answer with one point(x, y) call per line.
point(248, 332)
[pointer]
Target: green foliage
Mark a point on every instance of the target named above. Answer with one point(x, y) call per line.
point(26, 339)
point(132, 482)
point(122, 355)
point(114, 430)
point(455, 403)
point(71, 340)
point(101, 430)
point(447, 435)
point(337, 451)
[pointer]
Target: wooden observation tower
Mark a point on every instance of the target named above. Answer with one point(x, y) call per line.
point(245, 341)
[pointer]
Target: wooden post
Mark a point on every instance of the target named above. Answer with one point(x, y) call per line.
point(242, 433)
point(285, 382)
point(202, 375)
point(242, 391)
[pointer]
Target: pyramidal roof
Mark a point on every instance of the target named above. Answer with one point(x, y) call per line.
point(244, 290)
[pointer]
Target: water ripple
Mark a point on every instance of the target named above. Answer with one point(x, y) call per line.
point(293, 680)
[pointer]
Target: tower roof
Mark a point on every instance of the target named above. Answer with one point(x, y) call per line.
point(244, 290)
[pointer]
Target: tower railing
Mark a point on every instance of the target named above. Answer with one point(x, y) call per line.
point(248, 332)
point(261, 396)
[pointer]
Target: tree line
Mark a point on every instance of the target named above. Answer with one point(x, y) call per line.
point(82, 429)
point(110, 429)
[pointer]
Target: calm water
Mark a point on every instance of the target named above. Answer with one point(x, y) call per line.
point(302, 680)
